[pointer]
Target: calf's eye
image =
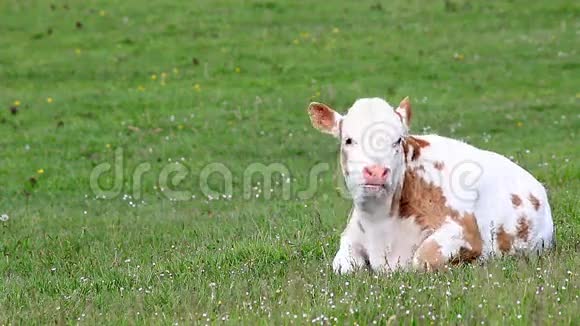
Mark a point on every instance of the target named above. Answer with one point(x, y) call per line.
point(348, 141)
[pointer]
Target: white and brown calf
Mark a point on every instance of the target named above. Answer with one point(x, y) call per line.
point(428, 201)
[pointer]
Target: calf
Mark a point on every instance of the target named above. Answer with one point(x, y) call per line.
point(427, 201)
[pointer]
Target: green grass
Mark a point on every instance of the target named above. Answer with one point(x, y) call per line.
point(503, 75)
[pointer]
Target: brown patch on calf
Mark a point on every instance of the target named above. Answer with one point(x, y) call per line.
point(523, 228)
point(415, 144)
point(439, 165)
point(465, 256)
point(421, 142)
point(429, 256)
point(472, 236)
point(516, 200)
point(535, 201)
point(504, 240)
point(423, 200)
point(427, 204)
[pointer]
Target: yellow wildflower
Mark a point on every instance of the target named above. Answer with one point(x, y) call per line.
point(77, 51)
point(102, 13)
point(154, 77)
point(519, 124)
point(17, 103)
point(238, 70)
point(197, 87)
point(40, 171)
point(49, 100)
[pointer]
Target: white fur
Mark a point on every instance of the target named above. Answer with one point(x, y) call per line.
point(472, 180)
point(387, 243)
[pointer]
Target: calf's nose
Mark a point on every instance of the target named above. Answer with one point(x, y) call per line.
point(375, 174)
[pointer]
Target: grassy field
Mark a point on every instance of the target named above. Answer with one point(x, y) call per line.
point(172, 86)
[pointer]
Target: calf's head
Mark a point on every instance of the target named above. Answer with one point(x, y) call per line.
point(371, 138)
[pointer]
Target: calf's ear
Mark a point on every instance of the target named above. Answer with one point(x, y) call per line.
point(324, 118)
point(404, 111)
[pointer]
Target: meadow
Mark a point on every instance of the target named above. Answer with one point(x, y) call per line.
point(146, 100)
